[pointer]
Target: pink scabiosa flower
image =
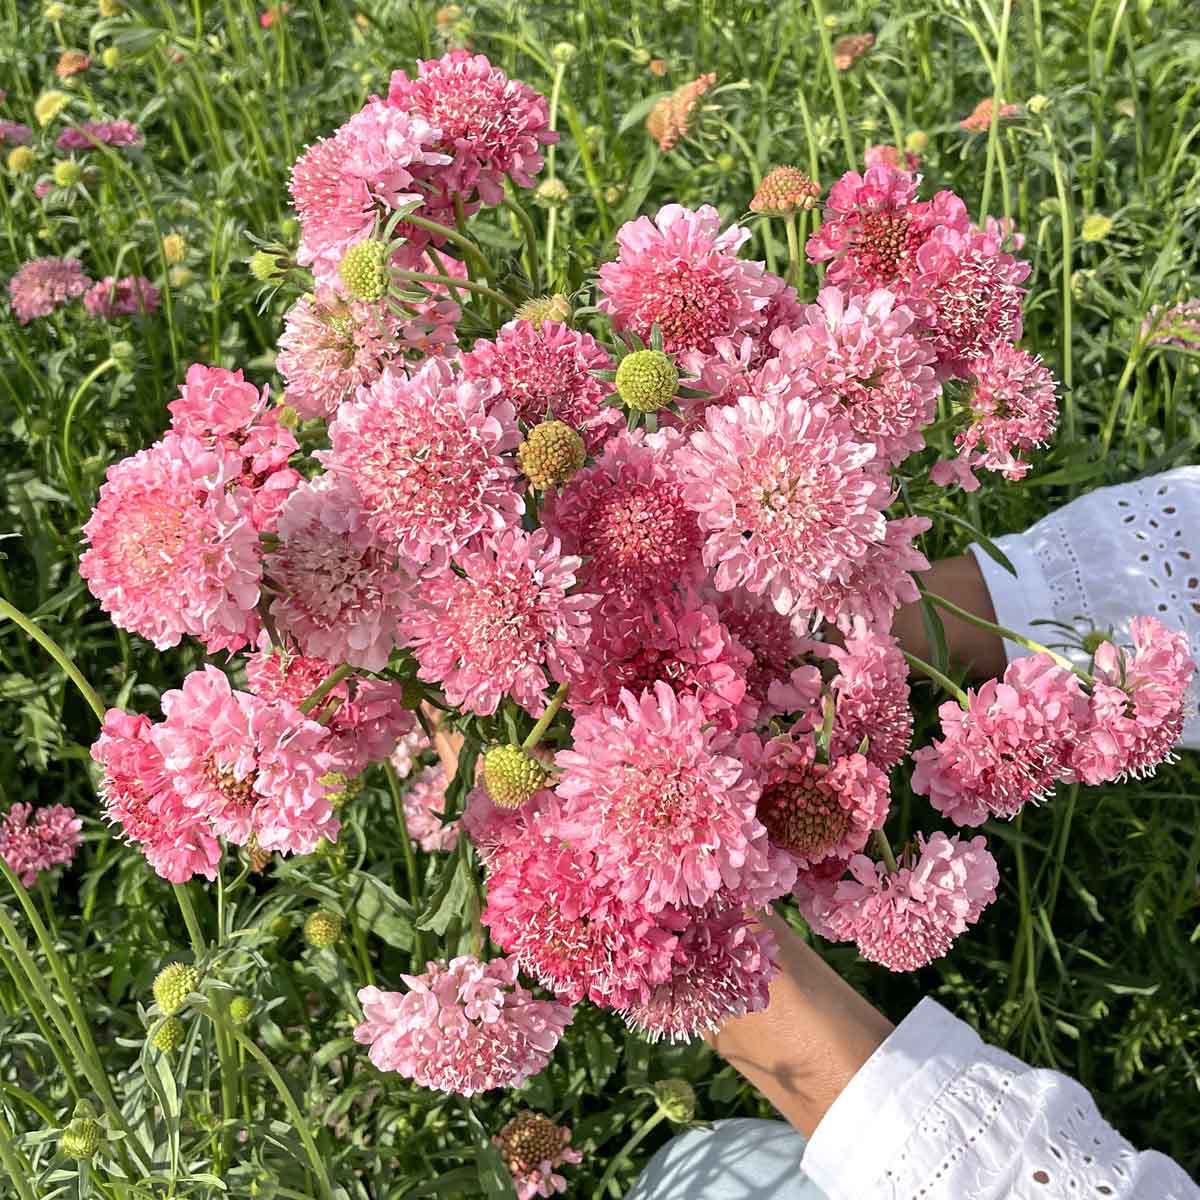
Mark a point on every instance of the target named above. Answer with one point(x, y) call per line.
point(677, 640)
point(979, 120)
point(771, 639)
point(43, 284)
point(1008, 746)
point(533, 1148)
point(625, 516)
point(906, 919)
point(1177, 326)
point(247, 766)
point(407, 754)
point(721, 968)
point(819, 811)
point(172, 549)
point(124, 297)
point(423, 802)
point(788, 500)
point(890, 156)
point(865, 356)
point(464, 1026)
point(342, 185)
point(871, 699)
point(546, 371)
point(138, 795)
point(489, 125)
point(722, 376)
point(1136, 711)
point(653, 784)
point(35, 840)
point(13, 133)
point(339, 592)
point(106, 133)
point(502, 626)
point(428, 455)
point(681, 274)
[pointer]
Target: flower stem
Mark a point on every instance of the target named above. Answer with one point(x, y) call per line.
point(997, 103)
point(199, 945)
point(835, 82)
point(538, 731)
point(325, 687)
point(410, 859)
point(15, 1164)
point(468, 247)
point(57, 653)
point(626, 1150)
point(943, 681)
point(448, 281)
point(793, 244)
point(884, 849)
point(529, 233)
point(67, 456)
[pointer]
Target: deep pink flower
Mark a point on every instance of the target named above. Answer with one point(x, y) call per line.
point(768, 635)
point(908, 919)
point(173, 549)
point(107, 133)
point(787, 498)
point(13, 133)
point(465, 1026)
point(502, 626)
point(35, 840)
point(423, 802)
point(338, 591)
point(669, 803)
point(979, 120)
point(547, 372)
point(124, 297)
point(533, 1148)
point(872, 698)
point(679, 273)
point(489, 125)
point(1009, 747)
point(625, 516)
point(428, 454)
point(43, 284)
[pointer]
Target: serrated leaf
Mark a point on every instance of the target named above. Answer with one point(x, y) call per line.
point(449, 897)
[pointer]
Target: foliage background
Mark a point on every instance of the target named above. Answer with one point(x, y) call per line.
point(1087, 961)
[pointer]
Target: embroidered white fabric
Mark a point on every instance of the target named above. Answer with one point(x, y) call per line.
point(1112, 554)
point(937, 1114)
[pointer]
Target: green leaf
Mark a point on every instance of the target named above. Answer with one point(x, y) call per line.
point(985, 543)
point(450, 1183)
point(379, 910)
point(639, 112)
point(494, 1177)
point(449, 897)
point(1076, 473)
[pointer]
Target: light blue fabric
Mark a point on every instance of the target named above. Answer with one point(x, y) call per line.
point(734, 1160)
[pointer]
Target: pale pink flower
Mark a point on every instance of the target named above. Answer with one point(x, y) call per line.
point(124, 297)
point(338, 591)
point(489, 125)
point(818, 811)
point(13, 133)
point(908, 919)
point(505, 626)
point(721, 968)
point(864, 355)
point(533, 1148)
point(800, 696)
point(35, 840)
point(788, 500)
point(723, 375)
point(1008, 747)
point(871, 699)
point(546, 372)
point(407, 754)
point(889, 156)
point(429, 456)
point(107, 133)
point(465, 1027)
point(424, 801)
point(43, 284)
point(280, 673)
point(172, 547)
point(1177, 326)
point(669, 802)
point(681, 274)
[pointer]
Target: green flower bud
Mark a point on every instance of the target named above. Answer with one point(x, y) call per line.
point(81, 1138)
point(512, 775)
point(646, 380)
point(323, 929)
point(364, 269)
point(170, 1036)
point(676, 1099)
point(173, 985)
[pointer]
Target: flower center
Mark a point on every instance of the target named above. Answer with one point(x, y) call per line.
point(884, 242)
point(803, 815)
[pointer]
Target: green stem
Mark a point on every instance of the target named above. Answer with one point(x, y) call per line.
point(68, 457)
point(410, 859)
point(57, 653)
point(536, 733)
point(835, 82)
point(15, 1163)
point(325, 687)
point(997, 102)
point(529, 233)
point(626, 1150)
point(1068, 235)
point(793, 244)
point(199, 945)
point(446, 281)
point(943, 681)
point(468, 247)
point(884, 849)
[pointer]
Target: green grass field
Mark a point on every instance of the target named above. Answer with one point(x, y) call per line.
point(1088, 961)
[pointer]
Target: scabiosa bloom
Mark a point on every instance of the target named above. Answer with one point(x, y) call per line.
point(124, 297)
point(681, 274)
point(1178, 326)
point(343, 184)
point(428, 455)
point(423, 802)
point(13, 133)
point(785, 190)
point(107, 133)
point(172, 548)
point(721, 968)
point(1009, 746)
point(660, 790)
point(905, 920)
point(338, 591)
point(43, 284)
point(626, 517)
point(407, 754)
point(533, 1148)
point(670, 119)
point(503, 625)
point(850, 47)
point(465, 1027)
point(71, 62)
point(247, 766)
point(546, 371)
point(864, 355)
point(678, 640)
point(871, 698)
point(489, 125)
point(33, 841)
point(787, 499)
point(890, 156)
point(979, 120)
point(819, 811)
point(770, 637)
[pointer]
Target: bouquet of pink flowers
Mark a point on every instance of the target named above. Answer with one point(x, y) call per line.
point(639, 553)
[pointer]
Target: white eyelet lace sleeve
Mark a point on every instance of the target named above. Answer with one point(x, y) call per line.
point(937, 1114)
point(1115, 553)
